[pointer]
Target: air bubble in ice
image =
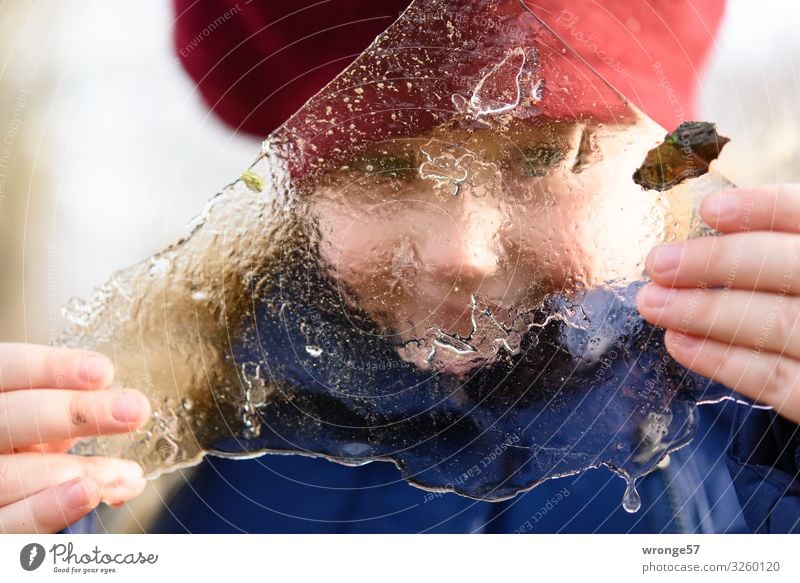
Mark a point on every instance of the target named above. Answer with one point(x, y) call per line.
point(445, 170)
point(77, 312)
point(251, 424)
point(160, 266)
point(652, 432)
point(537, 91)
point(499, 91)
point(314, 351)
point(167, 449)
point(82, 312)
point(199, 296)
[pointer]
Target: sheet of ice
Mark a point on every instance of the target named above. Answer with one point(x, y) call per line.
point(432, 263)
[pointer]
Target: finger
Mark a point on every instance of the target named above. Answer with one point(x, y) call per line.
point(51, 510)
point(766, 377)
point(753, 261)
point(61, 446)
point(766, 208)
point(31, 366)
point(23, 475)
point(750, 319)
point(49, 415)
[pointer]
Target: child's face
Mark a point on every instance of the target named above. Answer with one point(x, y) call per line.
point(492, 218)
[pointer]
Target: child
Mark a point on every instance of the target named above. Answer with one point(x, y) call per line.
point(753, 487)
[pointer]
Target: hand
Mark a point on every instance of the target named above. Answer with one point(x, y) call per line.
point(49, 398)
point(731, 304)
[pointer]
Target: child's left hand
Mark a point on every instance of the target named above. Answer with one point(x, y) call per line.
point(731, 304)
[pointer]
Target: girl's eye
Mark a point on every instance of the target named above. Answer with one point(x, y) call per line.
point(539, 160)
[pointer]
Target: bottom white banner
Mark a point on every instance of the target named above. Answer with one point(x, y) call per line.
point(353, 558)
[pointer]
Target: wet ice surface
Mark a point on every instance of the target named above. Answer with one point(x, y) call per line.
point(433, 263)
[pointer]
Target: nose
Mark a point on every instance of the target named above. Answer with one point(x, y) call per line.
point(480, 249)
point(467, 247)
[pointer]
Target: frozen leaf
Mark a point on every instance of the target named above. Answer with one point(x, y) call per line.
point(686, 153)
point(432, 263)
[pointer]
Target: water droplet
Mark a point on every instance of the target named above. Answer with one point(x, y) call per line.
point(631, 501)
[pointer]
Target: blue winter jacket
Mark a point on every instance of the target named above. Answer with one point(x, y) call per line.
point(740, 474)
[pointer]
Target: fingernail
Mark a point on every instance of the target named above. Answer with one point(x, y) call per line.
point(664, 260)
point(723, 205)
point(681, 341)
point(655, 296)
point(127, 407)
point(94, 369)
point(82, 493)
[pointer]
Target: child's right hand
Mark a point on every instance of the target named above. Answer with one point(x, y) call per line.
point(50, 397)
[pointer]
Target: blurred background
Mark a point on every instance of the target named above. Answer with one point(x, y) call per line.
point(112, 152)
point(107, 152)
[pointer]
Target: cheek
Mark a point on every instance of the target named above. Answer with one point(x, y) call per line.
point(351, 246)
point(361, 245)
point(595, 239)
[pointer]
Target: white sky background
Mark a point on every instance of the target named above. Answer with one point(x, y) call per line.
point(129, 152)
point(123, 153)
point(752, 90)
point(141, 153)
